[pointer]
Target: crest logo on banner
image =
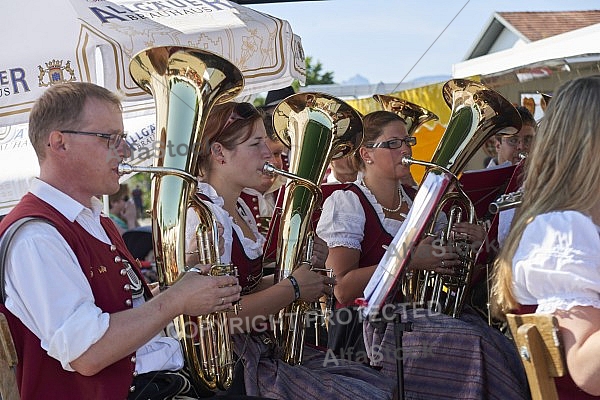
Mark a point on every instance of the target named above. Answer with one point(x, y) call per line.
point(55, 73)
point(13, 137)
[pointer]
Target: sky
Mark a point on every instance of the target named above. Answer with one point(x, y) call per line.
point(394, 41)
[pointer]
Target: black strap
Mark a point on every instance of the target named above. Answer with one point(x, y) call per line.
point(4, 242)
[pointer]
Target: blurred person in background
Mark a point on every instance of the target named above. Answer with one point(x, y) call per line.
point(122, 209)
point(137, 194)
point(513, 148)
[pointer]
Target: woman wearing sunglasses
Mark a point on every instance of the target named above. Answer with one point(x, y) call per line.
point(358, 222)
point(121, 210)
point(232, 154)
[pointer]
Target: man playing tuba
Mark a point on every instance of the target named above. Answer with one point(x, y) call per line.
point(84, 322)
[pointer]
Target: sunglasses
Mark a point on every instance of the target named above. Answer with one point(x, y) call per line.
point(514, 140)
point(393, 143)
point(241, 111)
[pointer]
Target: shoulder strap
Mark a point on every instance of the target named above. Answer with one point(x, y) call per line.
point(4, 242)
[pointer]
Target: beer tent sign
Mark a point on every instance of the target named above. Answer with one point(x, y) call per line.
point(51, 41)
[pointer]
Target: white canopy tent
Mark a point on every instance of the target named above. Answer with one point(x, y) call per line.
point(568, 48)
point(93, 41)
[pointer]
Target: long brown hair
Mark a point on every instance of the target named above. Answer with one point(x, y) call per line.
point(563, 173)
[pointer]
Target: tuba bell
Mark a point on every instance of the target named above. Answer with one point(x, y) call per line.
point(185, 84)
point(477, 114)
point(412, 114)
point(317, 128)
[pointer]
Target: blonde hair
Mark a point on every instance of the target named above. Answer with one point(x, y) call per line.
point(563, 173)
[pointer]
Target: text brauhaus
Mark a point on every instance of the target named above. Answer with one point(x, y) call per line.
point(157, 9)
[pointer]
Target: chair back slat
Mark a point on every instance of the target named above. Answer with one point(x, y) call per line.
point(538, 343)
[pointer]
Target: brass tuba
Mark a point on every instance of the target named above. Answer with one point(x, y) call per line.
point(186, 83)
point(412, 114)
point(477, 113)
point(317, 128)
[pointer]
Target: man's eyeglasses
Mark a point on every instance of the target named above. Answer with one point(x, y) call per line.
point(241, 111)
point(393, 144)
point(513, 141)
point(114, 139)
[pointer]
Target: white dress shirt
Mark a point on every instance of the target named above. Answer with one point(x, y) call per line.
point(48, 292)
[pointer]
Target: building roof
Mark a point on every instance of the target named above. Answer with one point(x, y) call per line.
point(507, 29)
point(560, 52)
point(536, 25)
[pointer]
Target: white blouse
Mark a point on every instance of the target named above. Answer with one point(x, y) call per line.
point(504, 221)
point(252, 248)
point(557, 263)
point(343, 219)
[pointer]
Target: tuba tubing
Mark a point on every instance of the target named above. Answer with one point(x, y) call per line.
point(185, 83)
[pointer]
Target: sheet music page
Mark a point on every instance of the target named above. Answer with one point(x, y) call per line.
point(393, 261)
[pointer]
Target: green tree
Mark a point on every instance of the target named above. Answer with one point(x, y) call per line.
point(315, 74)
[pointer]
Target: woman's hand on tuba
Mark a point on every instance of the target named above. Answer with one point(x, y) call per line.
point(320, 252)
point(431, 255)
point(475, 234)
point(312, 284)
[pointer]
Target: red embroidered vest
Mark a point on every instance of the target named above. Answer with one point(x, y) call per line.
point(40, 376)
point(375, 235)
point(249, 270)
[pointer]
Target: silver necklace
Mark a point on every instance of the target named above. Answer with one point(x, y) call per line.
point(390, 210)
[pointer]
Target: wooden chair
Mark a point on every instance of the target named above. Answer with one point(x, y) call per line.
point(8, 361)
point(538, 342)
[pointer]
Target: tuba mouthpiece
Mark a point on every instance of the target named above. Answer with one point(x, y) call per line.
point(269, 169)
point(124, 169)
point(407, 161)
